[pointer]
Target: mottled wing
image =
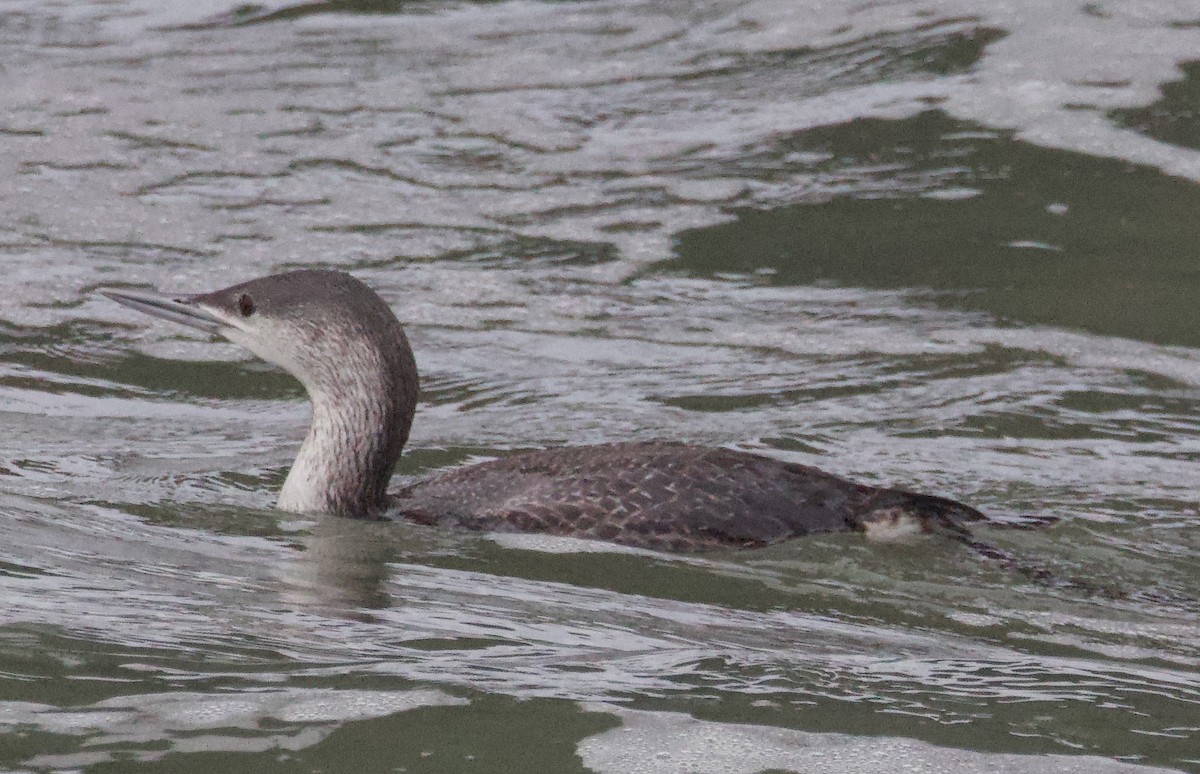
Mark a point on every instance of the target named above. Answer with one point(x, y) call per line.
point(655, 495)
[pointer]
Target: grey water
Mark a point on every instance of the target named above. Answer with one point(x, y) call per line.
point(947, 246)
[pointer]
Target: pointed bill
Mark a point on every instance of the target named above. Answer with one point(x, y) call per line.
point(177, 309)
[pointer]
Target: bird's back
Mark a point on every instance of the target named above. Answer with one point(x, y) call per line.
point(344, 343)
point(654, 495)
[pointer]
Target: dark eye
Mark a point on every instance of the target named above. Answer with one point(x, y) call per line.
point(246, 305)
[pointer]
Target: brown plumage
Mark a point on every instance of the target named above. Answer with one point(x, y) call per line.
point(348, 349)
point(661, 495)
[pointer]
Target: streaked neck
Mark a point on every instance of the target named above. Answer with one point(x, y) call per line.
point(360, 422)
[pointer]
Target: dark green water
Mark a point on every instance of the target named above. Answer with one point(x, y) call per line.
point(951, 250)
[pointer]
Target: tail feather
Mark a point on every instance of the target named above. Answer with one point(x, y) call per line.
point(951, 518)
point(940, 511)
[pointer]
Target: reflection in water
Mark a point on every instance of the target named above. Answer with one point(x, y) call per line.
point(122, 729)
point(343, 568)
point(1043, 240)
point(1172, 118)
point(253, 13)
point(670, 743)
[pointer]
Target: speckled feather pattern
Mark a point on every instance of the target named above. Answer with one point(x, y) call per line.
point(342, 341)
point(660, 495)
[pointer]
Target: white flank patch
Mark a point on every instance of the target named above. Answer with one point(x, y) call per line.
point(899, 530)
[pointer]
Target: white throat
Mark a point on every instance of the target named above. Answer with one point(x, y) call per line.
point(307, 488)
point(362, 394)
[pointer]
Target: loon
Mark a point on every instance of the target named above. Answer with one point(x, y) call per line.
point(348, 349)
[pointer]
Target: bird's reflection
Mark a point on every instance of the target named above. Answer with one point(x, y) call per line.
point(344, 568)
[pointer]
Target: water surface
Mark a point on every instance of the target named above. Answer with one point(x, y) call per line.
point(949, 248)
